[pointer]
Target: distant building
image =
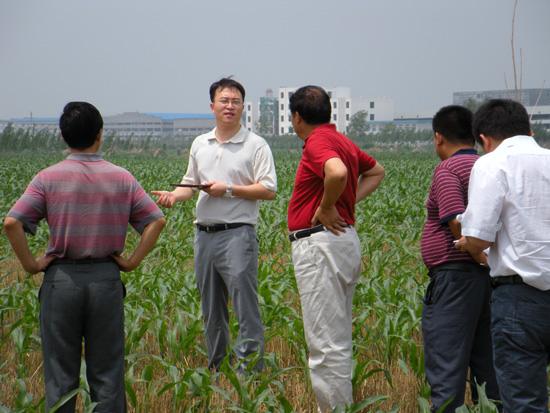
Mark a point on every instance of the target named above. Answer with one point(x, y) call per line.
point(340, 100)
point(536, 101)
point(268, 115)
point(36, 124)
point(156, 124)
point(135, 124)
point(528, 97)
point(379, 109)
point(249, 116)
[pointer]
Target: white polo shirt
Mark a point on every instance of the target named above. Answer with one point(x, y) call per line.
point(509, 204)
point(245, 159)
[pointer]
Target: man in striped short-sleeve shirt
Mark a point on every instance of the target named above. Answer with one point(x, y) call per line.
point(88, 204)
point(456, 315)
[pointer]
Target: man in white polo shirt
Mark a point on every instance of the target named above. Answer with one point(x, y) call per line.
point(509, 210)
point(235, 169)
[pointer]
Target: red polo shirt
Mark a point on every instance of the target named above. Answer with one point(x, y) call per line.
point(323, 144)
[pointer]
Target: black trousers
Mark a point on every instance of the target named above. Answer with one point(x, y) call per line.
point(83, 301)
point(456, 329)
point(521, 337)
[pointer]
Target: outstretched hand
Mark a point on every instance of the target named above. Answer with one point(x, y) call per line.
point(331, 219)
point(165, 198)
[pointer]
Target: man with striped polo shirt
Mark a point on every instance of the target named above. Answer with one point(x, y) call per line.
point(456, 313)
point(88, 204)
point(333, 175)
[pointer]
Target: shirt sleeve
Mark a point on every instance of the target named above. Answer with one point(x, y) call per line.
point(366, 161)
point(192, 174)
point(486, 194)
point(264, 168)
point(448, 194)
point(144, 210)
point(31, 207)
point(318, 153)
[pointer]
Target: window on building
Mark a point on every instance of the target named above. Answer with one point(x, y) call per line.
point(372, 105)
point(249, 108)
point(291, 130)
point(249, 119)
point(334, 104)
point(282, 95)
point(347, 116)
point(347, 104)
point(282, 107)
point(282, 131)
point(334, 118)
point(282, 118)
point(371, 117)
point(330, 94)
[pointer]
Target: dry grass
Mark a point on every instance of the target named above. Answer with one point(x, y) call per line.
point(296, 383)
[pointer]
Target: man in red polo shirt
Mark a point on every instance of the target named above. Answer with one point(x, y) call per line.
point(332, 176)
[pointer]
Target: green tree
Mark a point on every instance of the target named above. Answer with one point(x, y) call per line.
point(358, 125)
point(472, 104)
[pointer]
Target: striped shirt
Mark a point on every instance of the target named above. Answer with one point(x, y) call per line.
point(88, 204)
point(447, 198)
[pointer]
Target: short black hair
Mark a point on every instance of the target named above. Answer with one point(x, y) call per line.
point(454, 122)
point(80, 124)
point(225, 83)
point(501, 119)
point(312, 103)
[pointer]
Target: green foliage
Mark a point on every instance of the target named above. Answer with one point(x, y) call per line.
point(358, 125)
point(165, 349)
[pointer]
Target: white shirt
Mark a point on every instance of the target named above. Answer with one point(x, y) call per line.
point(509, 204)
point(245, 159)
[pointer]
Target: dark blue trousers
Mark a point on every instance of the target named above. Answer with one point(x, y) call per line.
point(456, 331)
point(521, 339)
point(83, 302)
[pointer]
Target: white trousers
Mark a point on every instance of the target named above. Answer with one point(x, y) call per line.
point(327, 268)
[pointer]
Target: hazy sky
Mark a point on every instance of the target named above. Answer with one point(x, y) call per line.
point(162, 55)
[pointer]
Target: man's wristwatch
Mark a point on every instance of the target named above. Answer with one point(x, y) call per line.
point(229, 191)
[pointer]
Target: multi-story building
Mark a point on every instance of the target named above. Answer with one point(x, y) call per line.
point(378, 109)
point(528, 97)
point(536, 101)
point(135, 124)
point(340, 99)
point(268, 115)
point(249, 116)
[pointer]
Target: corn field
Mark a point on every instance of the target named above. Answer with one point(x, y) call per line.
point(165, 350)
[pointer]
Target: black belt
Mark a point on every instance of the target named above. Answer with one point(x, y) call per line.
point(72, 261)
point(506, 279)
point(457, 266)
point(304, 233)
point(219, 227)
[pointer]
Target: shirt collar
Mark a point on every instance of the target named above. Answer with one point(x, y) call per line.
point(239, 137)
point(320, 129)
point(465, 151)
point(516, 140)
point(87, 157)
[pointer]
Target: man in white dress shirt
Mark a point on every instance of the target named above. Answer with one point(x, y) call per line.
point(234, 169)
point(509, 211)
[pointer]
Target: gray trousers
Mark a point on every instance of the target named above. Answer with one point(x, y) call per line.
point(456, 329)
point(83, 301)
point(226, 267)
